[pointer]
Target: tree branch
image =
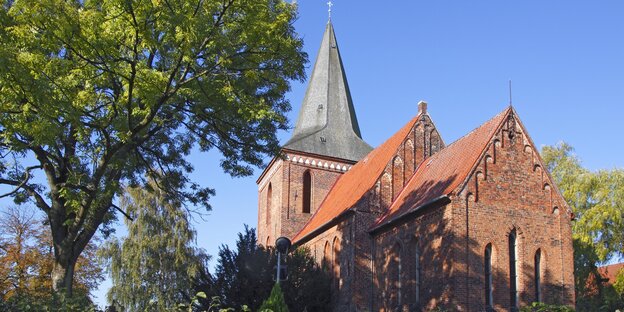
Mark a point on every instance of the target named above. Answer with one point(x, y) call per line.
point(122, 212)
point(38, 198)
point(21, 184)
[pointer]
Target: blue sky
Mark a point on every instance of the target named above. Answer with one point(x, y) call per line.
point(565, 58)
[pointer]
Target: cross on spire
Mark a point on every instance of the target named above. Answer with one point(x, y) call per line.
point(329, 6)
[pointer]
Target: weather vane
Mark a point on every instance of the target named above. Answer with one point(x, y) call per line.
point(329, 5)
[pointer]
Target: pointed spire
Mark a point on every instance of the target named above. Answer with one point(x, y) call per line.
point(327, 124)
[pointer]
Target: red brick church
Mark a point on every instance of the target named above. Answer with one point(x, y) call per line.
point(414, 224)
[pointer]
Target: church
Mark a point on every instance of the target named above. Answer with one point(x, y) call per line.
point(415, 223)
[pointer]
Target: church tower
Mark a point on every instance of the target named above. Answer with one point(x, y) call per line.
point(325, 143)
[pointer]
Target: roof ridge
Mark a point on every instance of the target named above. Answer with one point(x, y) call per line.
point(484, 148)
point(479, 127)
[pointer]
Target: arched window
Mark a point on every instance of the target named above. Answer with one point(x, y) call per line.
point(397, 176)
point(307, 191)
point(416, 275)
point(269, 201)
point(386, 190)
point(488, 276)
point(394, 277)
point(513, 274)
point(336, 262)
point(326, 256)
point(398, 277)
point(538, 280)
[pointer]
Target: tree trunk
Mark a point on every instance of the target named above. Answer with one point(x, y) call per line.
point(63, 275)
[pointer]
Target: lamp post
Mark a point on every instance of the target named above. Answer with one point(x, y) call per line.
point(282, 244)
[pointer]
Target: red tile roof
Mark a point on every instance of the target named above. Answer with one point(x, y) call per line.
point(610, 272)
point(352, 185)
point(443, 172)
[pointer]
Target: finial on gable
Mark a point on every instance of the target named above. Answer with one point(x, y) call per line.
point(510, 103)
point(422, 107)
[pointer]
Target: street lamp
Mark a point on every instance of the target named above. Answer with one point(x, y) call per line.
point(282, 244)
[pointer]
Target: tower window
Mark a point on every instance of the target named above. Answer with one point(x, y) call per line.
point(307, 191)
point(269, 200)
point(488, 276)
point(513, 274)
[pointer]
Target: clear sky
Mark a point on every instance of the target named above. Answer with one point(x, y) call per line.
point(565, 58)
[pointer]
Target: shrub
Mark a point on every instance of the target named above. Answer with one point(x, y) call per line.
point(542, 307)
point(275, 302)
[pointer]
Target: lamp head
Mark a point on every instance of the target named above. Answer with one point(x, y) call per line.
point(282, 244)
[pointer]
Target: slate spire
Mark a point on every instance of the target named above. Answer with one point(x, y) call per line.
point(327, 124)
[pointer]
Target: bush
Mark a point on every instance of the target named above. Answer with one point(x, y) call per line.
point(542, 307)
point(49, 303)
point(275, 302)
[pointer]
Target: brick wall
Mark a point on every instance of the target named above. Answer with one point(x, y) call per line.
point(508, 191)
point(423, 247)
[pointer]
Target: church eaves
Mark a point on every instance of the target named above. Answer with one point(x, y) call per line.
point(327, 124)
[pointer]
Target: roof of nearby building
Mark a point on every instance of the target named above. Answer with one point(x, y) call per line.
point(327, 124)
point(443, 172)
point(610, 272)
point(354, 184)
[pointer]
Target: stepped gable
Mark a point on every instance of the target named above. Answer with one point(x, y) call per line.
point(327, 124)
point(354, 184)
point(444, 171)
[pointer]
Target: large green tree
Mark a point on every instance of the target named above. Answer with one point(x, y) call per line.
point(153, 267)
point(597, 200)
point(99, 93)
point(596, 197)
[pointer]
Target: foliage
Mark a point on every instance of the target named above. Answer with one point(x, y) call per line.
point(98, 94)
point(275, 302)
point(214, 305)
point(153, 267)
point(246, 276)
point(597, 200)
point(543, 307)
point(307, 287)
point(619, 283)
point(79, 302)
point(26, 260)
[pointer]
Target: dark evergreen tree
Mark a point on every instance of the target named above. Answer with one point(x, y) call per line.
point(245, 276)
